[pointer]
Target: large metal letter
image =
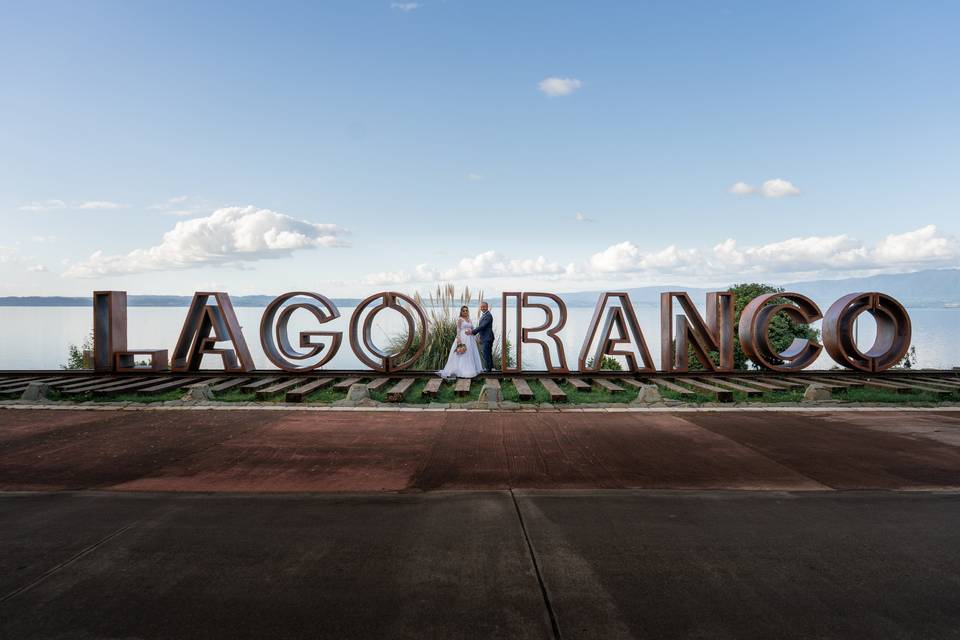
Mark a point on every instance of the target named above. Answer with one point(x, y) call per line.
point(624, 320)
point(204, 327)
point(276, 339)
point(716, 334)
point(754, 331)
point(109, 327)
point(362, 342)
point(523, 334)
point(893, 331)
point(110, 352)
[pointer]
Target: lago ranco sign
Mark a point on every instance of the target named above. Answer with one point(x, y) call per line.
point(211, 328)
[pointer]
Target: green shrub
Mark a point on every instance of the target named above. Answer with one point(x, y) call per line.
point(75, 359)
point(608, 363)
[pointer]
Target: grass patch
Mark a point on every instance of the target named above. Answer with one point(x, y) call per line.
point(595, 396)
point(888, 397)
point(326, 395)
point(509, 392)
point(696, 398)
point(235, 395)
point(175, 394)
point(793, 394)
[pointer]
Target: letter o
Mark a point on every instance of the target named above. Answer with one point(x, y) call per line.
point(893, 331)
point(755, 335)
point(361, 341)
point(276, 341)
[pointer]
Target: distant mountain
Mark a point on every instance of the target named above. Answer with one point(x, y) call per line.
point(930, 288)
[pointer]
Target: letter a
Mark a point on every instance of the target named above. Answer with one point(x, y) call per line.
point(205, 326)
point(624, 320)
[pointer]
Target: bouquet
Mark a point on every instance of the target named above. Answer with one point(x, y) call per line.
point(461, 348)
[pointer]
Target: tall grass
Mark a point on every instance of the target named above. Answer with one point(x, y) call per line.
point(443, 308)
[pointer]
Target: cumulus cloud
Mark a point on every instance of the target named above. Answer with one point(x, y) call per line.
point(778, 188)
point(555, 87)
point(775, 188)
point(488, 264)
point(228, 236)
point(798, 256)
point(405, 6)
point(580, 217)
point(43, 205)
point(838, 253)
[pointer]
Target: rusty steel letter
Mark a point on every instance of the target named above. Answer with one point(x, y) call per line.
point(623, 319)
point(109, 327)
point(205, 326)
point(754, 331)
point(362, 341)
point(893, 331)
point(275, 336)
point(716, 334)
point(550, 327)
point(110, 351)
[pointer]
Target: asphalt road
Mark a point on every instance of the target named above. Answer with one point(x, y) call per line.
point(481, 564)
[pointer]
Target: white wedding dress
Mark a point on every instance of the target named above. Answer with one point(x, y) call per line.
point(468, 363)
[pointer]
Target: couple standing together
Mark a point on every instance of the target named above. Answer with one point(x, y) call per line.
point(464, 360)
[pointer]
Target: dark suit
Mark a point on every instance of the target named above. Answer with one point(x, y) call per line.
point(484, 333)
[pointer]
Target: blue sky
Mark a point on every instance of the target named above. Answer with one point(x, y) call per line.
point(344, 147)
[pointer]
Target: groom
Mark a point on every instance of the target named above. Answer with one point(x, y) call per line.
point(484, 332)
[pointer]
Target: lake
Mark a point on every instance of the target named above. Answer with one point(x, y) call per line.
point(38, 337)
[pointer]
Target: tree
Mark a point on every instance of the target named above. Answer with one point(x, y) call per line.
point(75, 359)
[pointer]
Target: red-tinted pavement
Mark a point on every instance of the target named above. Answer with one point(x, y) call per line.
point(324, 451)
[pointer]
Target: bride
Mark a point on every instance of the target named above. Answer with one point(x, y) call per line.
point(464, 360)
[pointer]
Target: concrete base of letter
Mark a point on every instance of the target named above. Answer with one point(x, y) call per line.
point(816, 393)
point(36, 391)
point(200, 392)
point(357, 392)
point(647, 395)
point(489, 396)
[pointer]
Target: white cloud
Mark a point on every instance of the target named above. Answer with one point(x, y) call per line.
point(182, 206)
point(405, 6)
point(43, 239)
point(475, 177)
point(922, 245)
point(555, 87)
point(727, 260)
point(44, 205)
point(100, 205)
point(580, 217)
point(388, 278)
point(228, 236)
point(775, 188)
point(37, 268)
point(778, 188)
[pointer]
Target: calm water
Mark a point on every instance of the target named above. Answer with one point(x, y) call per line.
point(38, 337)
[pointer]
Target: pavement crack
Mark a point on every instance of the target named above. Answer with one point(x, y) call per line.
point(554, 625)
point(56, 568)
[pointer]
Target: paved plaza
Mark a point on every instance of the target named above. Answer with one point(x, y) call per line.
point(284, 524)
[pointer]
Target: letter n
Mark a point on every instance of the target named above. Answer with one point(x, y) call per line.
point(713, 335)
point(205, 326)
